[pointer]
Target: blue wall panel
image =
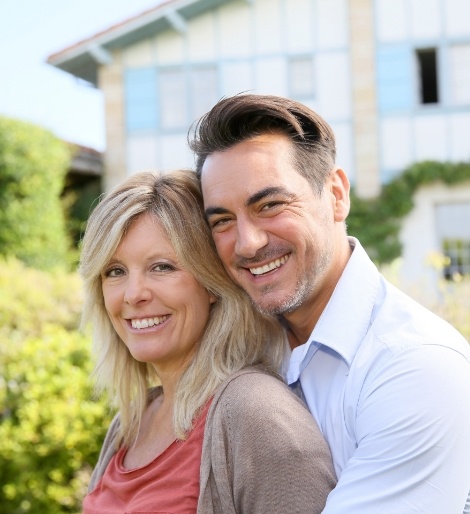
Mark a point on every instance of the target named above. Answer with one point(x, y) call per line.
point(395, 78)
point(141, 99)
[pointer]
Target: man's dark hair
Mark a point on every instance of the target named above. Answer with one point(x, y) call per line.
point(244, 116)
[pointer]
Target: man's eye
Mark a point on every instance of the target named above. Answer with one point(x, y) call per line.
point(270, 205)
point(219, 222)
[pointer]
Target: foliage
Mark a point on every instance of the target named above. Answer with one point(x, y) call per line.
point(376, 222)
point(51, 427)
point(79, 203)
point(451, 298)
point(454, 304)
point(32, 299)
point(80, 194)
point(33, 164)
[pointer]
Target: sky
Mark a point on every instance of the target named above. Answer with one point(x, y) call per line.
point(31, 89)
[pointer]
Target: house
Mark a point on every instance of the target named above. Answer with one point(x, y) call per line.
point(86, 166)
point(82, 187)
point(392, 77)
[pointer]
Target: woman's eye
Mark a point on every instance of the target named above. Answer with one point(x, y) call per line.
point(114, 272)
point(163, 267)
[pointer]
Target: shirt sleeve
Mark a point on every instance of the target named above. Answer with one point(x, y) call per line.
point(413, 438)
point(267, 452)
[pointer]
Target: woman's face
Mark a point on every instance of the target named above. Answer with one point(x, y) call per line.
point(157, 308)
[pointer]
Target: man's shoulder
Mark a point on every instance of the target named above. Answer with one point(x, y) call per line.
point(402, 324)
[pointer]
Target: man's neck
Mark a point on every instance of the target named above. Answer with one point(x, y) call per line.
point(301, 322)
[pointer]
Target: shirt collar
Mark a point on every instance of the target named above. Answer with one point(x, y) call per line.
point(346, 318)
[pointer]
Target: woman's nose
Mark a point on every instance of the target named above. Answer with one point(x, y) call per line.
point(137, 289)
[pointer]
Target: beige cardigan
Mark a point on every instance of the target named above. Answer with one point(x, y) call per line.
point(262, 451)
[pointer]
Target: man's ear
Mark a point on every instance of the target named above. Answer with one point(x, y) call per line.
point(340, 188)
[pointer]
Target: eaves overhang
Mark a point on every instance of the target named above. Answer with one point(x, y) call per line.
point(84, 58)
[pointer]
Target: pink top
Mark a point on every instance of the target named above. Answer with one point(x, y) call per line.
point(167, 485)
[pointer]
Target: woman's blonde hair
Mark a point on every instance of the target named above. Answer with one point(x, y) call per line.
point(236, 335)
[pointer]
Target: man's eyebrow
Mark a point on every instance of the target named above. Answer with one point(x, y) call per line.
point(256, 197)
point(215, 210)
point(266, 192)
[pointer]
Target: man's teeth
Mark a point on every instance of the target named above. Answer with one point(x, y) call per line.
point(270, 266)
point(148, 322)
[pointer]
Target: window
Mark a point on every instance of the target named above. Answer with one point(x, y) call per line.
point(168, 98)
point(458, 253)
point(173, 98)
point(186, 94)
point(427, 75)
point(204, 90)
point(301, 77)
point(453, 231)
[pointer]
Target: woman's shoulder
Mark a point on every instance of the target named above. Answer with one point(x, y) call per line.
point(108, 449)
point(112, 441)
point(255, 390)
point(249, 377)
point(253, 403)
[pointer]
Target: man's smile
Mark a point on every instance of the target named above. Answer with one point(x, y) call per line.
point(277, 263)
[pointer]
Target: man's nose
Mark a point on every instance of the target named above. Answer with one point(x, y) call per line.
point(250, 238)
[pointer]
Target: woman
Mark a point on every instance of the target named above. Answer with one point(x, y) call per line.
point(220, 433)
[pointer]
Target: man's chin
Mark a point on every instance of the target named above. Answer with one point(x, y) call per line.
point(271, 308)
point(276, 306)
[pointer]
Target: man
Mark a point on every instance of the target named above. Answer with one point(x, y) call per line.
point(387, 381)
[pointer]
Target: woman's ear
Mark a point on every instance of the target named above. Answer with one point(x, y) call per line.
point(340, 188)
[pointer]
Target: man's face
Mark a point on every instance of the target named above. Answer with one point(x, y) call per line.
point(277, 238)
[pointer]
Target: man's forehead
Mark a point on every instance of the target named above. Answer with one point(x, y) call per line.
point(247, 185)
point(250, 158)
point(243, 173)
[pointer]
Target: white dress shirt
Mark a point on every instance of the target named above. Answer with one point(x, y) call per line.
point(389, 385)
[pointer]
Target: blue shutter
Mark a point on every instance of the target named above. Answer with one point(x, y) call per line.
point(395, 78)
point(141, 99)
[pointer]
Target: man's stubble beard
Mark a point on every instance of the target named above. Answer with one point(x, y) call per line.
point(303, 289)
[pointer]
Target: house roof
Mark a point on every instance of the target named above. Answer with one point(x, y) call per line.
point(86, 161)
point(83, 58)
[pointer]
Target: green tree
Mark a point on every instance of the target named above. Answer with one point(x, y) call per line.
point(33, 164)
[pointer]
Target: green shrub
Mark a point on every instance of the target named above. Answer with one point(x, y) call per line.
point(33, 164)
point(79, 202)
point(32, 299)
point(51, 427)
